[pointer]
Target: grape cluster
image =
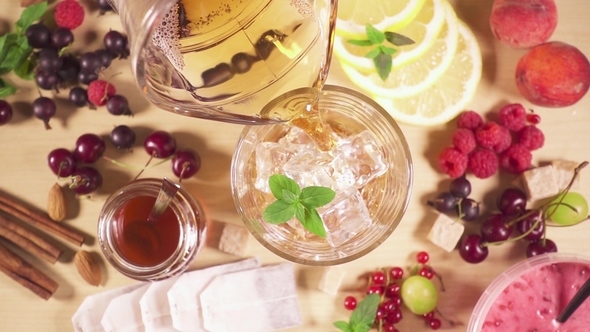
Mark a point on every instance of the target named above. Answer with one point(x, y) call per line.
point(485, 147)
point(77, 167)
point(416, 292)
point(456, 200)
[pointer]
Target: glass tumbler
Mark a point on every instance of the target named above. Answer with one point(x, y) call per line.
point(147, 250)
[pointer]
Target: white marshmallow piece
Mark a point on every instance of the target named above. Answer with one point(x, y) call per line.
point(183, 296)
point(234, 239)
point(123, 312)
point(155, 309)
point(564, 172)
point(263, 299)
point(331, 280)
point(88, 316)
point(446, 232)
point(540, 182)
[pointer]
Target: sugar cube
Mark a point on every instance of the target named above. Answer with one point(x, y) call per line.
point(234, 239)
point(564, 172)
point(446, 232)
point(331, 280)
point(540, 182)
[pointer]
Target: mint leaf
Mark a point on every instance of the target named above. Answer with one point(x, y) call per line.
point(362, 328)
point(315, 196)
point(372, 54)
point(343, 326)
point(7, 41)
point(360, 42)
point(279, 212)
point(290, 197)
point(300, 213)
point(397, 39)
point(387, 50)
point(365, 312)
point(30, 15)
point(374, 35)
point(313, 222)
point(15, 56)
point(278, 182)
point(6, 89)
point(383, 64)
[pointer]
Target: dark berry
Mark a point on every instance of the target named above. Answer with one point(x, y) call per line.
point(87, 77)
point(511, 202)
point(89, 147)
point(122, 137)
point(86, 180)
point(444, 202)
point(472, 250)
point(538, 247)
point(44, 109)
point(90, 62)
point(49, 60)
point(104, 6)
point(160, 144)
point(242, 62)
point(61, 38)
point(483, 163)
point(494, 229)
point(118, 105)
point(46, 81)
point(469, 120)
point(78, 96)
point(69, 69)
point(526, 226)
point(452, 162)
point(105, 57)
point(115, 42)
point(5, 112)
point(62, 162)
point(469, 209)
point(38, 35)
point(460, 187)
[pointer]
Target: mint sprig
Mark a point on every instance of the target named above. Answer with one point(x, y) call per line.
point(293, 201)
point(362, 317)
point(381, 54)
point(15, 51)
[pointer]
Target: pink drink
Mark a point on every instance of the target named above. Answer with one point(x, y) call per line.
point(533, 295)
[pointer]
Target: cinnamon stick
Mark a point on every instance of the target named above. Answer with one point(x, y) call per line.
point(25, 274)
point(39, 219)
point(26, 245)
point(30, 235)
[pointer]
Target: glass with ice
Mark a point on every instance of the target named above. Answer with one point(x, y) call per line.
point(367, 164)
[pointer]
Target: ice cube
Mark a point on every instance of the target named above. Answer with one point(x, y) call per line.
point(296, 135)
point(270, 159)
point(344, 217)
point(316, 168)
point(363, 156)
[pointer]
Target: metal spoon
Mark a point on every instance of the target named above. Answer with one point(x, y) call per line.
point(166, 194)
point(575, 302)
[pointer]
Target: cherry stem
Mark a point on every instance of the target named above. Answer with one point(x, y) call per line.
point(185, 165)
point(451, 322)
point(146, 165)
point(439, 277)
point(118, 163)
point(521, 236)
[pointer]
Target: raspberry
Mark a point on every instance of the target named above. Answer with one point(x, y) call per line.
point(516, 159)
point(531, 137)
point(452, 162)
point(464, 140)
point(488, 134)
point(505, 140)
point(68, 14)
point(99, 91)
point(513, 117)
point(483, 163)
point(469, 120)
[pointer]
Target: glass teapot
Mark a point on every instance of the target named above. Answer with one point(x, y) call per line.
point(226, 60)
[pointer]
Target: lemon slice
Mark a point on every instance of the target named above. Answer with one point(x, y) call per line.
point(423, 30)
point(390, 15)
point(419, 75)
point(449, 95)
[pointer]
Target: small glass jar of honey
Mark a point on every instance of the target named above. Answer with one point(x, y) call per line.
point(147, 250)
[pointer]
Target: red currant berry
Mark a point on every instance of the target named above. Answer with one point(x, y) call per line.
point(394, 317)
point(380, 314)
point(422, 257)
point(392, 290)
point(396, 273)
point(533, 118)
point(375, 289)
point(389, 306)
point(426, 272)
point(350, 302)
point(388, 328)
point(428, 316)
point(434, 324)
point(396, 300)
point(378, 278)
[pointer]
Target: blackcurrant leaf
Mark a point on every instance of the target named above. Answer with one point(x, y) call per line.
point(383, 64)
point(397, 39)
point(6, 89)
point(30, 15)
point(360, 42)
point(374, 35)
point(279, 212)
point(6, 43)
point(26, 70)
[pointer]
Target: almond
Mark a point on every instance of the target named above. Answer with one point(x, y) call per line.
point(88, 267)
point(56, 203)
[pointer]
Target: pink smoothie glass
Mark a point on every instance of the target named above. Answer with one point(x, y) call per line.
point(531, 294)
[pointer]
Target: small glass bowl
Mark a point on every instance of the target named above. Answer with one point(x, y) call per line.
point(512, 274)
point(192, 225)
point(387, 204)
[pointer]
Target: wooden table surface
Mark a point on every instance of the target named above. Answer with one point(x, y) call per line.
point(24, 145)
